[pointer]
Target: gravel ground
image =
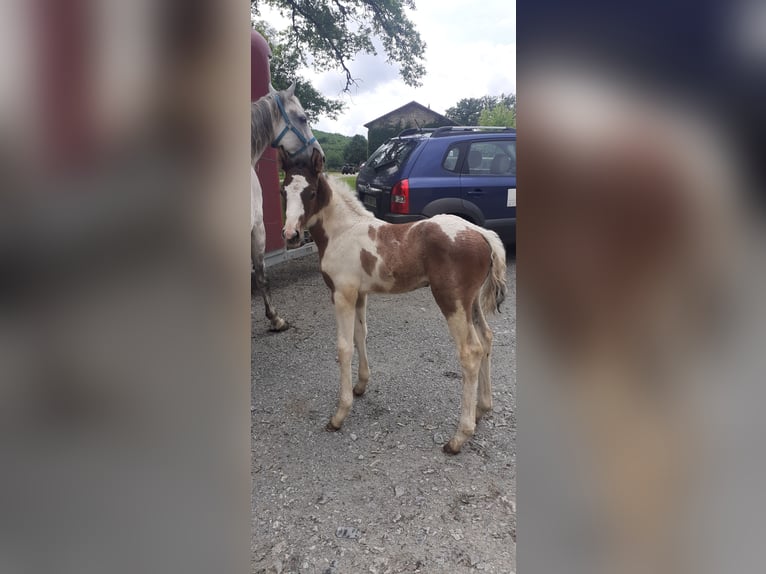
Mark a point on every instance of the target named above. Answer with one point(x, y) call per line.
point(378, 496)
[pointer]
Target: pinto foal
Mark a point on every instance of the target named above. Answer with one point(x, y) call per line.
point(462, 263)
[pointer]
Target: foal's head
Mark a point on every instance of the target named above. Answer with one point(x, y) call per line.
point(305, 193)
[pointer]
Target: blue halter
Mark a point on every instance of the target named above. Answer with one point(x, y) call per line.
point(290, 127)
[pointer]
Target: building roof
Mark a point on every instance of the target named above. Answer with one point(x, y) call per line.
point(412, 104)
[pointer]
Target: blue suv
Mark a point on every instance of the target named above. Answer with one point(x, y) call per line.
point(467, 171)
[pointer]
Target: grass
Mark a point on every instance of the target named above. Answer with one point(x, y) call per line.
point(349, 179)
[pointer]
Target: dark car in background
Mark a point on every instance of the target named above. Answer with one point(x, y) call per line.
point(469, 171)
point(348, 168)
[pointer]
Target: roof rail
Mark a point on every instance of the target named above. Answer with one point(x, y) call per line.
point(444, 130)
point(410, 131)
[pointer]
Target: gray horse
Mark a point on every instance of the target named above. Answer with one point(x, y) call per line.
point(278, 120)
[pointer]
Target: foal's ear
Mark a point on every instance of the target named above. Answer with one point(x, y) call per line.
point(317, 161)
point(291, 90)
point(285, 162)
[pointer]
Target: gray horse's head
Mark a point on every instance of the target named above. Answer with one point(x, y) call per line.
point(292, 133)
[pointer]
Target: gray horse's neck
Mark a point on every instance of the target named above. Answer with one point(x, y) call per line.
point(264, 115)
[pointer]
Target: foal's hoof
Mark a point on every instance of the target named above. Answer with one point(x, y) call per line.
point(449, 449)
point(279, 325)
point(331, 427)
point(359, 391)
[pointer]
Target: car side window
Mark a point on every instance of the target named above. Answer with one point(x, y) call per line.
point(491, 158)
point(450, 160)
point(504, 160)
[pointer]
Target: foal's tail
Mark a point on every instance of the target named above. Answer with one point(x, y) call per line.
point(494, 288)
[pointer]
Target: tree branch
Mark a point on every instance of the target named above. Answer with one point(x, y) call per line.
point(295, 7)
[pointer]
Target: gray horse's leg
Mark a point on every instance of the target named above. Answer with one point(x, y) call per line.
point(262, 284)
point(257, 251)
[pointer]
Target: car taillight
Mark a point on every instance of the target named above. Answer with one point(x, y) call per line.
point(400, 197)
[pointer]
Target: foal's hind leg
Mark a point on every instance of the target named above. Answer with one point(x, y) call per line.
point(470, 351)
point(360, 340)
point(484, 399)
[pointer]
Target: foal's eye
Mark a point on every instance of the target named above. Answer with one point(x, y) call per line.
point(303, 119)
point(313, 194)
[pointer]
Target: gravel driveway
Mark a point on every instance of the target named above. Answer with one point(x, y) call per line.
point(378, 496)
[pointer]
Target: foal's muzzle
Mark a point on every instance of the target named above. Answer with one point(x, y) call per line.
point(292, 239)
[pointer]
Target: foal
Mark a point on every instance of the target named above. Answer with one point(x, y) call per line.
point(462, 263)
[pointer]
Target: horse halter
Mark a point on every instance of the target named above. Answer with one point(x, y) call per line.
point(290, 127)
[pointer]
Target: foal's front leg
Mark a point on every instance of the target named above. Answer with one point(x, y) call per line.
point(345, 303)
point(360, 340)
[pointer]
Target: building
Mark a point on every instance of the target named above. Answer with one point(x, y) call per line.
point(410, 115)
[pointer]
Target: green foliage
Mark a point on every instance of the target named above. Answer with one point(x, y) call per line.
point(333, 160)
point(334, 146)
point(356, 150)
point(284, 64)
point(499, 115)
point(340, 149)
point(468, 111)
point(333, 32)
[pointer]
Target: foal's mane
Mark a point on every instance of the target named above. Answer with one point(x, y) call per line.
point(264, 114)
point(345, 194)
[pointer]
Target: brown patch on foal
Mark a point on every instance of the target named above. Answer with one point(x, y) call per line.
point(329, 282)
point(372, 232)
point(451, 283)
point(324, 193)
point(402, 257)
point(418, 254)
point(320, 237)
point(368, 261)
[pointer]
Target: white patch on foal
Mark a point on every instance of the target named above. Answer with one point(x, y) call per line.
point(450, 224)
point(294, 205)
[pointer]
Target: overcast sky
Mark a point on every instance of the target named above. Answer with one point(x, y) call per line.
point(470, 52)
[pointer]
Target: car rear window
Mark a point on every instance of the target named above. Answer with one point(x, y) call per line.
point(394, 151)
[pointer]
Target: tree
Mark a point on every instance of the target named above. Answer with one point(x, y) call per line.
point(499, 115)
point(284, 64)
point(333, 32)
point(334, 146)
point(356, 150)
point(467, 112)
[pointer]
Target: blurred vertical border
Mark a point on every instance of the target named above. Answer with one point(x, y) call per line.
point(124, 286)
point(640, 285)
